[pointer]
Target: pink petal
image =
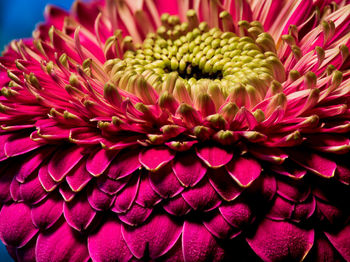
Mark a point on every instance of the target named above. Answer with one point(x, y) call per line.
point(45, 179)
point(159, 235)
point(293, 190)
point(78, 212)
point(31, 163)
point(202, 196)
point(199, 245)
point(315, 163)
point(127, 196)
point(78, 177)
point(99, 200)
point(61, 244)
point(277, 241)
point(223, 184)
point(165, 183)
point(26, 253)
point(110, 186)
point(282, 209)
point(177, 206)
point(98, 162)
point(170, 7)
point(238, 213)
point(46, 213)
point(136, 215)
point(107, 244)
point(64, 161)
point(124, 164)
point(16, 226)
point(341, 241)
point(323, 250)
point(188, 168)
point(31, 191)
point(155, 158)
point(214, 156)
point(146, 196)
point(218, 227)
point(18, 145)
point(244, 170)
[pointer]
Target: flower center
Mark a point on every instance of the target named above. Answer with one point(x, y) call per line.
point(194, 57)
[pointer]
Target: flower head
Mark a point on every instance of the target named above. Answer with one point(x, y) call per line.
point(194, 130)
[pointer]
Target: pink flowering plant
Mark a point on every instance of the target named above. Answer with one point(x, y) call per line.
point(189, 130)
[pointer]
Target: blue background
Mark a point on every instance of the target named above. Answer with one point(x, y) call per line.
point(17, 20)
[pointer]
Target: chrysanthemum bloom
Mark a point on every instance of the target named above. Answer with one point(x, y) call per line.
point(178, 131)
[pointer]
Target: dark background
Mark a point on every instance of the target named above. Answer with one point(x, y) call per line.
point(17, 20)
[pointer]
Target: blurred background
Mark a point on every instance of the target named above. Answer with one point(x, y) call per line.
point(17, 20)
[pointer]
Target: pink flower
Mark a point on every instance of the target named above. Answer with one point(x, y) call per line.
point(151, 130)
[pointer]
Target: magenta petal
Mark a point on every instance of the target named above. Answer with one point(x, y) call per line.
point(277, 241)
point(177, 206)
point(315, 163)
point(45, 179)
point(127, 196)
point(18, 145)
point(30, 164)
point(199, 245)
point(188, 168)
point(165, 183)
point(46, 213)
point(323, 250)
point(78, 177)
point(341, 241)
point(98, 162)
point(156, 157)
point(202, 196)
point(146, 196)
point(238, 213)
point(136, 215)
point(31, 191)
point(244, 170)
point(16, 226)
point(61, 244)
point(27, 252)
point(111, 186)
point(214, 156)
point(124, 164)
point(63, 161)
point(78, 212)
point(218, 226)
point(99, 200)
point(223, 184)
point(159, 235)
point(108, 245)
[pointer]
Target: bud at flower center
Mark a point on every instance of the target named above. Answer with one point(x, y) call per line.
point(190, 59)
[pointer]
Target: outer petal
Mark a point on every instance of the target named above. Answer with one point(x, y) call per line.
point(78, 212)
point(61, 244)
point(124, 164)
point(154, 158)
point(341, 241)
point(159, 235)
point(214, 156)
point(244, 170)
point(107, 244)
point(276, 241)
point(47, 212)
point(16, 226)
point(98, 162)
point(63, 161)
point(188, 168)
point(199, 245)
